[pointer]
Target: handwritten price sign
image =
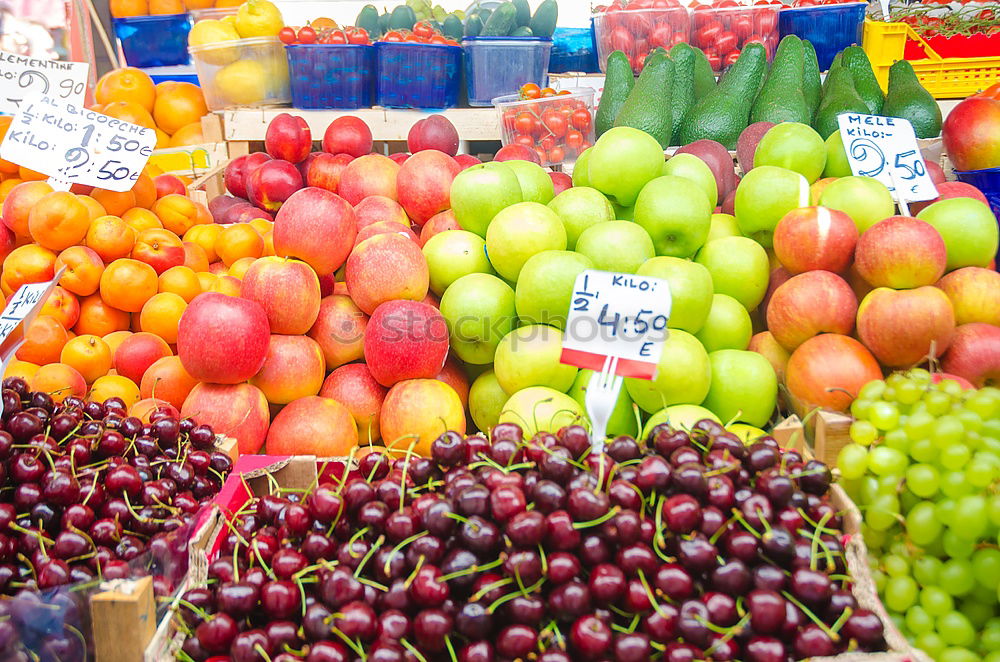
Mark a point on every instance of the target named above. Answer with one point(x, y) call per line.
point(886, 148)
point(22, 77)
point(75, 145)
point(620, 315)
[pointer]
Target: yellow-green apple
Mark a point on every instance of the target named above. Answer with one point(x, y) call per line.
point(354, 387)
point(690, 290)
point(679, 417)
point(287, 289)
point(739, 268)
point(948, 190)
point(581, 169)
point(415, 412)
point(621, 246)
point(234, 176)
point(623, 419)
point(723, 225)
point(905, 327)
point(520, 231)
point(683, 375)
point(811, 303)
point(347, 135)
point(728, 325)
point(828, 371)
point(764, 196)
point(545, 286)
point(323, 170)
point(975, 354)
point(405, 340)
point(817, 188)
point(901, 252)
point(837, 164)
point(969, 134)
point(486, 400)
point(529, 356)
point(293, 369)
point(541, 409)
point(535, 183)
point(480, 192)
point(339, 330)
point(376, 208)
point(676, 215)
point(312, 426)
point(764, 344)
point(436, 224)
point(317, 227)
point(423, 185)
point(371, 174)
point(479, 310)
point(693, 169)
point(621, 163)
point(386, 227)
point(386, 267)
point(579, 208)
point(560, 182)
point(969, 230)
point(748, 434)
point(720, 162)
point(794, 146)
point(810, 238)
point(272, 183)
point(136, 353)
point(239, 411)
point(974, 293)
point(222, 339)
point(453, 375)
point(867, 201)
point(453, 254)
point(288, 137)
point(159, 248)
point(433, 132)
point(744, 386)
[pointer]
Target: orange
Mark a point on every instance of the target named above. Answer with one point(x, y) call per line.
point(162, 139)
point(194, 257)
point(187, 135)
point(58, 221)
point(114, 339)
point(238, 240)
point(95, 208)
point(89, 354)
point(83, 270)
point(43, 341)
point(320, 23)
point(18, 203)
point(111, 238)
point(27, 264)
point(262, 225)
point(268, 243)
point(205, 236)
point(167, 380)
point(130, 111)
point(114, 203)
point(207, 280)
point(127, 284)
point(62, 306)
point(141, 219)
point(6, 167)
point(114, 386)
point(126, 8)
point(7, 185)
point(227, 285)
point(180, 280)
point(198, 4)
point(23, 369)
point(30, 175)
point(179, 214)
point(60, 381)
point(228, 3)
point(128, 84)
point(179, 105)
point(240, 266)
point(98, 318)
point(159, 7)
point(161, 315)
point(144, 191)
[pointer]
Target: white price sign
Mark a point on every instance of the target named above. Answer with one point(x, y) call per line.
point(77, 146)
point(22, 77)
point(886, 148)
point(618, 315)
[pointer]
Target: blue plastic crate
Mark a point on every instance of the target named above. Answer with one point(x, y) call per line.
point(337, 76)
point(414, 75)
point(573, 50)
point(497, 66)
point(154, 41)
point(987, 181)
point(829, 28)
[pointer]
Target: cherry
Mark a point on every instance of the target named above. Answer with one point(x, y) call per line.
point(251, 646)
point(865, 627)
point(811, 586)
point(560, 534)
point(563, 567)
point(449, 449)
point(478, 651)
point(356, 620)
point(283, 633)
point(570, 600)
point(607, 583)
point(548, 496)
point(426, 588)
point(661, 623)
point(812, 641)
point(430, 627)
point(473, 500)
point(480, 535)
point(633, 647)
point(516, 641)
point(339, 587)
point(217, 633)
point(237, 599)
point(590, 636)
point(328, 651)
point(765, 649)
point(526, 529)
point(506, 502)
point(280, 599)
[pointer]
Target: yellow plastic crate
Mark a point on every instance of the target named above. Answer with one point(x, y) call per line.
point(943, 77)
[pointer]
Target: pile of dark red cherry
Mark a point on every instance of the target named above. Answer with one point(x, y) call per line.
point(88, 493)
point(690, 546)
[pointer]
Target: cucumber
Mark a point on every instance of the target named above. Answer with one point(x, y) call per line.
point(473, 25)
point(402, 18)
point(522, 31)
point(523, 13)
point(453, 27)
point(501, 22)
point(368, 19)
point(543, 23)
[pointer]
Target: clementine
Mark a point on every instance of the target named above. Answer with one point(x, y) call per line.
point(128, 84)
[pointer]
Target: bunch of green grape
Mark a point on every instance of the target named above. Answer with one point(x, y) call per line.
point(924, 468)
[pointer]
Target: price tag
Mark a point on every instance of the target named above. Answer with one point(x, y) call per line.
point(619, 315)
point(74, 145)
point(22, 77)
point(886, 148)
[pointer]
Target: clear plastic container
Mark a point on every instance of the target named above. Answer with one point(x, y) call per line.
point(638, 31)
point(243, 73)
point(180, 74)
point(723, 32)
point(495, 66)
point(154, 41)
point(338, 76)
point(829, 28)
point(413, 75)
point(216, 13)
point(557, 127)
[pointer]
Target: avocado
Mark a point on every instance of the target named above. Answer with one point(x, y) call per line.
point(368, 19)
point(682, 90)
point(473, 25)
point(810, 78)
point(837, 60)
point(402, 18)
point(501, 22)
point(618, 83)
point(865, 83)
point(648, 104)
point(453, 27)
point(839, 97)
point(781, 99)
point(543, 23)
point(908, 99)
point(704, 77)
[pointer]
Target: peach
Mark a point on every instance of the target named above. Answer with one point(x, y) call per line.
point(166, 379)
point(205, 236)
point(438, 223)
point(227, 285)
point(114, 203)
point(137, 352)
point(99, 318)
point(386, 267)
point(312, 426)
point(347, 135)
point(195, 257)
point(405, 340)
point(339, 330)
point(167, 184)
point(317, 227)
point(423, 185)
point(372, 174)
point(89, 354)
point(239, 411)
point(287, 289)
point(62, 306)
point(223, 339)
point(354, 387)
point(377, 208)
point(270, 185)
point(160, 249)
point(905, 327)
point(237, 170)
point(8, 241)
point(415, 412)
point(43, 341)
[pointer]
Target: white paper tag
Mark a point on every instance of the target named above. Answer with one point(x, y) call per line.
point(614, 314)
point(76, 145)
point(886, 149)
point(22, 77)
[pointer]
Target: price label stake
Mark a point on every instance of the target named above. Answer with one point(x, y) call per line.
point(886, 148)
point(22, 77)
point(74, 145)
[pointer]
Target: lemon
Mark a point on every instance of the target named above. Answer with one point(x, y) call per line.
point(258, 18)
point(242, 83)
point(210, 31)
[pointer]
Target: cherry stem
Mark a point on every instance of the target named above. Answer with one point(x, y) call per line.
point(814, 545)
point(489, 587)
point(650, 594)
point(839, 623)
point(451, 649)
point(471, 570)
point(815, 619)
point(457, 517)
point(413, 649)
point(510, 596)
point(416, 569)
point(374, 584)
point(600, 520)
point(353, 645)
point(371, 551)
point(631, 626)
point(263, 653)
point(353, 539)
point(746, 525)
point(395, 550)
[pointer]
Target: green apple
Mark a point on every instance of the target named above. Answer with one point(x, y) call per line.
point(480, 191)
point(622, 161)
point(616, 246)
point(520, 231)
point(581, 174)
point(728, 325)
point(529, 356)
point(723, 225)
point(968, 228)
point(739, 268)
point(694, 169)
point(679, 417)
point(452, 254)
point(744, 387)
point(545, 286)
point(623, 416)
point(837, 164)
point(747, 433)
point(479, 310)
point(867, 201)
point(764, 195)
point(794, 146)
point(676, 214)
point(683, 375)
point(690, 290)
point(542, 409)
point(623, 213)
point(486, 400)
point(536, 185)
point(579, 208)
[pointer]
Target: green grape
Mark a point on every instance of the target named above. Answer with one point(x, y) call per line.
point(879, 578)
point(971, 517)
point(868, 488)
point(990, 445)
point(954, 485)
point(971, 421)
point(991, 427)
point(852, 461)
point(980, 473)
point(950, 386)
point(873, 390)
point(919, 408)
point(860, 409)
point(993, 656)
point(895, 566)
point(993, 506)
point(900, 549)
point(900, 593)
point(956, 629)
point(882, 512)
point(938, 403)
point(898, 621)
point(889, 484)
point(908, 500)
point(931, 643)
point(945, 510)
point(957, 654)
point(922, 524)
point(895, 379)
point(874, 539)
point(884, 461)
point(935, 547)
point(909, 392)
point(982, 402)
point(897, 440)
point(863, 432)
point(956, 546)
point(983, 595)
point(918, 621)
point(889, 395)
point(919, 425)
point(947, 430)
point(919, 376)
point(976, 612)
point(990, 638)
point(974, 440)
point(885, 415)
point(924, 450)
point(936, 600)
point(926, 569)
point(955, 456)
point(986, 566)
point(923, 480)
point(956, 577)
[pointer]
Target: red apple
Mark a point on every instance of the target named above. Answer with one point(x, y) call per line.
point(764, 344)
point(323, 170)
point(372, 174)
point(236, 172)
point(935, 172)
point(383, 227)
point(239, 411)
point(951, 190)
point(288, 138)
point(434, 132)
point(728, 205)
point(317, 227)
point(423, 184)
point(466, 160)
point(386, 267)
point(348, 135)
point(560, 181)
point(327, 283)
point(970, 134)
point(137, 352)
point(900, 252)
point(400, 157)
point(905, 327)
point(339, 330)
point(453, 375)
point(377, 208)
point(938, 377)
point(828, 370)
point(293, 368)
point(515, 152)
point(720, 162)
point(815, 238)
point(975, 354)
point(438, 223)
point(269, 185)
point(222, 339)
point(354, 387)
point(312, 426)
point(415, 412)
point(287, 289)
point(779, 276)
point(974, 293)
point(405, 340)
point(809, 304)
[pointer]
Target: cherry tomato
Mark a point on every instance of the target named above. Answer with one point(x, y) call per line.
point(581, 119)
point(661, 36)
point(530, 91)
point(731, 58)
point(547, 143)
point(307, 35)
point(702, 15)
point(541, 154)
point(765, 22)
point(415, 38)
point(556, 155)
point(621, 40)
point(359, 36)
point(725, 42)
point(548, 92)
point(524, 122)
point(706, 36)
point(393, 36)
point(423, 28)
point(287, 35)
point(338, 37)
point(527, 141)
point(439, 39)
point(742, 27)
point(555, 122)
point(714, 60)
point(574, 141)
